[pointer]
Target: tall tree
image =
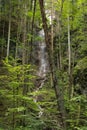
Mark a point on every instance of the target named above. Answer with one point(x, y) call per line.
point(58, 92)
point(9, 29)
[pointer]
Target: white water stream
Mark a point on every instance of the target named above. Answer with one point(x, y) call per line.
point(43, 67)
point(42, 56)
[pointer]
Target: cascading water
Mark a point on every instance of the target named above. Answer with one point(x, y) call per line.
point(43, 66)
point(43, 63)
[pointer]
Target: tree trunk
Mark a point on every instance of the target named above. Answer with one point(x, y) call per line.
point(9, 32)
point(58, 92)
point(24, 40)
point(24, 58)
point(59, 30)
point(52, 35)
point(69, 64)
point(32, 30)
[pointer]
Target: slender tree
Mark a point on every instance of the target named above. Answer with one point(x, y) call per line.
point(32, 29)
point(9, 29)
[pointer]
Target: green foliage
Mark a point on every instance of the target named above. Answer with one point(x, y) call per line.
point(82, 64)
point(12, 92)
point(18, 109)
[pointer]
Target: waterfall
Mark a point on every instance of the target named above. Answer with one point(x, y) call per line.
point(43, 63)
point(43, 67)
